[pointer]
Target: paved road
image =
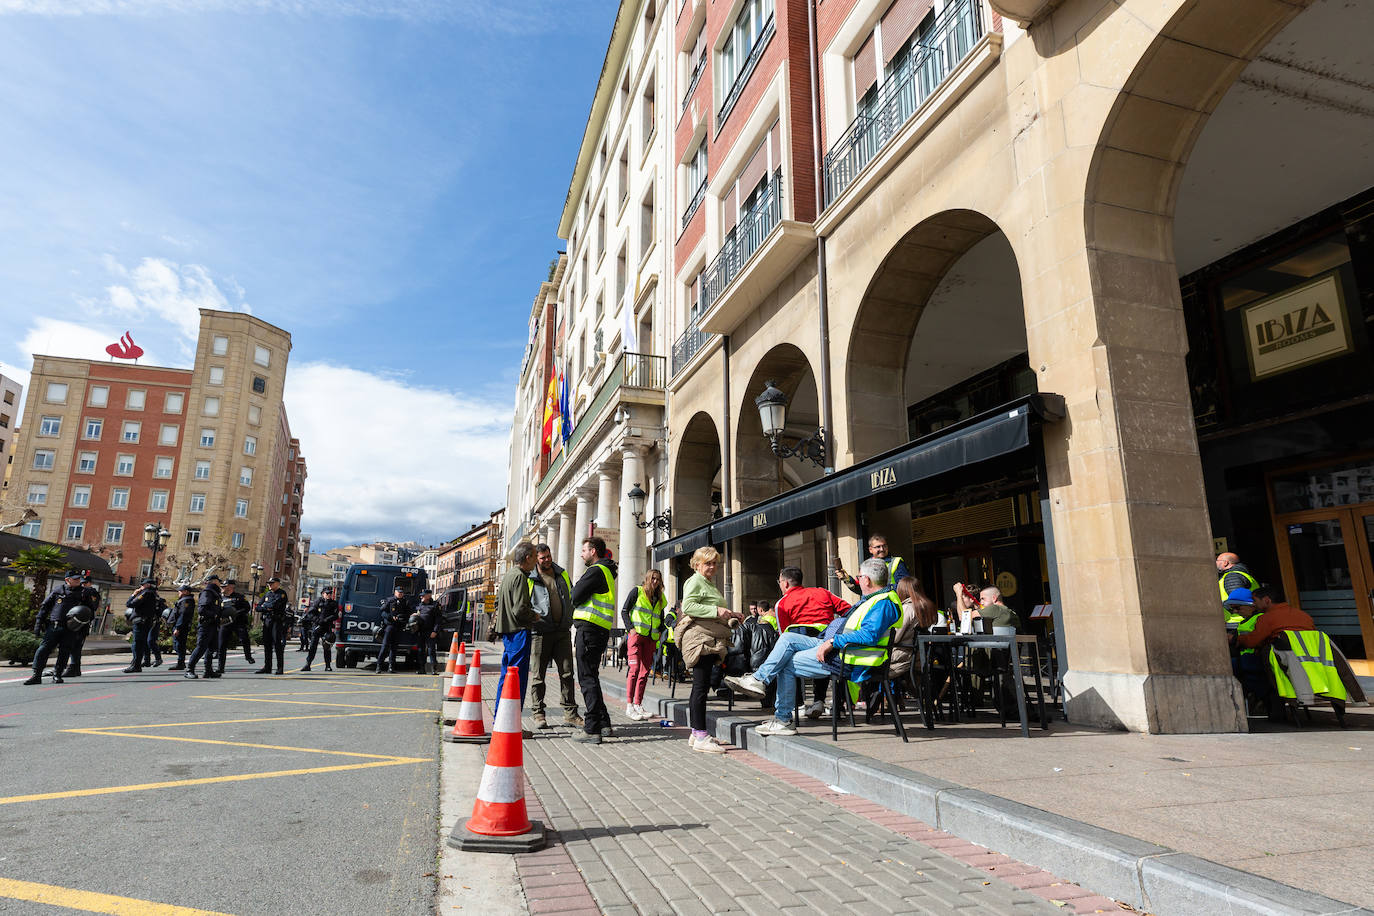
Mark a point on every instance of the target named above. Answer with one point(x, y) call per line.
point(252, 794)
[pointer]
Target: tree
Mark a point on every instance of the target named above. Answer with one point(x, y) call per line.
point(16, 606)
point(40, 563)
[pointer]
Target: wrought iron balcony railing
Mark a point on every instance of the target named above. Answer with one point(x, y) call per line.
point(746, 71)
point(742, 242)
point(695, 78)
point(695, 202)
point(689, 344)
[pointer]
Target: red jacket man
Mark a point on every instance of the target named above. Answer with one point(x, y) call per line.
point(799, 604)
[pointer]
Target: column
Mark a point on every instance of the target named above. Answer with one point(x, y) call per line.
point(551, 535)
point(631, 557)
point(567, 534)
point(585, 506)
point(607, 499)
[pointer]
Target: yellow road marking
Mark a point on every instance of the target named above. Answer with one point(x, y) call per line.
point(112, 733)
point(317, 703)
point(92, 902)
point(342, 715)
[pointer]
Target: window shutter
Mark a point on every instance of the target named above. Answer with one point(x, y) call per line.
point(731, 208)
point(865, 66)
point(775, 144)
point(755, 169)
point(899, 22)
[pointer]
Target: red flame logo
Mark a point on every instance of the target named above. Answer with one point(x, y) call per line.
point(126, 348)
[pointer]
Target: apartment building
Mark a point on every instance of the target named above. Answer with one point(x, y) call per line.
point(11, 398)
point(203, 452)
point(474, 560)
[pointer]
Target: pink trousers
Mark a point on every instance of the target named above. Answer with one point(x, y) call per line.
point(641, 657)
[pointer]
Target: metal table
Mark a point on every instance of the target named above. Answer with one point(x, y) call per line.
point(1008, 644)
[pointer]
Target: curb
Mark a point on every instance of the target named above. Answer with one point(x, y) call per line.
point(1151, 878)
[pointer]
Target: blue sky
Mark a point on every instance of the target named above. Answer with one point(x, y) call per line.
point(382, 178)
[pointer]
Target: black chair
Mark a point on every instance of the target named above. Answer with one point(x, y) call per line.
point(881, 679)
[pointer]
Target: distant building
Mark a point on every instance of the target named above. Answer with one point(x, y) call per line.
point(11, 397)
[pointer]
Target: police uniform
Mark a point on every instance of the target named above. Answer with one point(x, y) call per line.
point(69, 656)
point(427, 636)
point(395, 612)
point(144, 605)
point(276, 617)
point(52, 625)
point(237, 613)
point(155, 633)
point(322, 616)
point(210, 608)
point(183, 615)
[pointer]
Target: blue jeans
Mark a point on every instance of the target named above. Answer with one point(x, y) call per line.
point(515, 652)
point(794, 656)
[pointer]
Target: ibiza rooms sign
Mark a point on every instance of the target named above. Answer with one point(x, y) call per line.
point(1297, 327)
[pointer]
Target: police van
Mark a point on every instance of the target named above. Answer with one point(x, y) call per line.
point(365, 587)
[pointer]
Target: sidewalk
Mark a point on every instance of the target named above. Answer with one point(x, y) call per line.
point(1286, 804)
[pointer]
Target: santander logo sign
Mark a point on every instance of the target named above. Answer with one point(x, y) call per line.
point(125, 348)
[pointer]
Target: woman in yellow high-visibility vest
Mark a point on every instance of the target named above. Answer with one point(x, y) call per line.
point(642, 614)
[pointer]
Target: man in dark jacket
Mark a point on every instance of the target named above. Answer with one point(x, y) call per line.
point(551, 641)
point(183, 615)
point(237, 615)
point(593, 600)
point(143, 602)
point(324, 616)
point(51, 625)
point(516, 612)
point(395, 613)
point(276, 620)
point(69, 655)
point(427, 632)
point(210, 608)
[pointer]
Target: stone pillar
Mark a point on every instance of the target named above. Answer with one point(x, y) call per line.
point(567, 535)
point(551, 533)
point(607, 499)
point(631, 559)
point(585, 505)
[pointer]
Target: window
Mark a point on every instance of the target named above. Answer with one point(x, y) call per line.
point(9, 397)
point(237, 540)
point(601, 231)
point(284, 500)
point(157, 501)
point(98, 396)
point(197, 503)
point(85, 463)
point(132, 429)
point(192, 537)
point(259, 384)
point(94, 427)
point(254, 415)
point(81, 496)
point(119, 498)
point(124, 465)
point(646, 110)
point(246, 477)
point(50, 426)
point(621, 273)
point(623, 175)
point(38, 494)
point(162, 467)
point(250, 445)
point(241, 508)
point(173, 402)
point(5, 419)
point(145, 569)
point(167, 435)
point(211, 407)
point(31, 529)
point(43, 459)
point(202, 470)
point(219, 346)
point(748, 28)
point(56, 393)
point(207, 438)
point(262, 356)
point(216, 375)
point(75, 530)
point(646, 224)
point(114, 532)
point(136, 398)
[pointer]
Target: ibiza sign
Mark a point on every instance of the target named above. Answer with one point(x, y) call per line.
point(125, 348)
point(1297, 327)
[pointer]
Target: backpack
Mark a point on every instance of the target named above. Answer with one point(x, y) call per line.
point(764, 639)
point(738, 656)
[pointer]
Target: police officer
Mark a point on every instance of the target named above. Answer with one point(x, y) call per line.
point(276, 621)
point(237, 613)
point(143, 602)
point(155, 632)
point(395, 613)
point(321, 620)
point(427, 632)
point(183, 614)
point(211, 609)
point(51, 625)
point(69, 656)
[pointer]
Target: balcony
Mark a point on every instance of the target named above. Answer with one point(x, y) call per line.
point(692, 205)
point(692, 80)
point(742, 78)
point(689, 344)
point(904, 94)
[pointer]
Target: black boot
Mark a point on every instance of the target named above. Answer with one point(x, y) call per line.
point(191, 675)
point(177, 668)
point(263, 671)
point(72, 672)
point(132, 670)
point(56, 678)
point(279, 671)
point(306, 668)
point(249, 659)
point(36, 679)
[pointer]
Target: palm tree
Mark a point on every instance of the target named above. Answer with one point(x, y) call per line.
point(40, 563)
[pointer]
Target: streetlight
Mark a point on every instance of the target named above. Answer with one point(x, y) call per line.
point(772, 405)
point(256, 569)
point(155, 537)
point(662, 522)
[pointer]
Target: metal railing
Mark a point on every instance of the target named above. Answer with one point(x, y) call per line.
point(687, 346)
point(695, 78)
point(742, 78)
point(695, 202)
point(740, 245)
point(901, 95)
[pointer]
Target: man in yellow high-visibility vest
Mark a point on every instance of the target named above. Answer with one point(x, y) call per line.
point(593, 600)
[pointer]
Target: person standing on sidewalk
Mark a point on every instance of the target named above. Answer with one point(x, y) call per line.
point(395, 613)
point(237, 614)
point(593, 599)
point(325, 612)
point(515, 614)
point(643, 616)
point(143, 602)
point(209, 606)
point(427, 636)
point(703, 636)
point(183, 615)
point(51, 626)
point(551, 641)
point(275, 611)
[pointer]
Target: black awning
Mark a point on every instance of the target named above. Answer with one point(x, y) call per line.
point(683, 544)
point(989, 435)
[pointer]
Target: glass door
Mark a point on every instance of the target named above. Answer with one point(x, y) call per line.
point(1325, 569)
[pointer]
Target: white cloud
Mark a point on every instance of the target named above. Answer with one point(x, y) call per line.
point(387, 459)
point(172, 292)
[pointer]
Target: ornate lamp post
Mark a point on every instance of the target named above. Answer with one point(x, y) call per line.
point(661, 522)
point(772, 405)
point(256, 569)
point(155, 538)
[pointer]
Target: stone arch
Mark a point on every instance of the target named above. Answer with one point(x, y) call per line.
point(758, 473)
point(696, 473)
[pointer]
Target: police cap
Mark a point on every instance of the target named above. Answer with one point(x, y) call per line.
point(212, 578)
point(273, 579)
point(72, 574)
point(150, 582)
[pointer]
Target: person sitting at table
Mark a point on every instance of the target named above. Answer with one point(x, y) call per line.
point(807, 610)
point(1275, 616)
point(990, 606)
point(852, 646)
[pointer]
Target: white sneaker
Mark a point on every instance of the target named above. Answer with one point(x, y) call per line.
point(631, 711)
point(815, 710)
point(708, 745)
point(748, 685)
point(644, 714)
point(776, 727)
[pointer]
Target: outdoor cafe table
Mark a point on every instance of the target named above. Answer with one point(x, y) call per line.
point(1009, 644)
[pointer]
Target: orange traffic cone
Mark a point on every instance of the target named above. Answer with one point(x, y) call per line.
point(460, 675)
point(500, 822)
point(469, 728)
point(453, 655)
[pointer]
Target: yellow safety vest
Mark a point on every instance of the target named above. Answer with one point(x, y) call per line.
point(1248, 626)
point(1252, 582)
point(771, 620)
point(874, 655)
point(892, 570)
point(647, 617)
point(1313, 651)
point(600, 608)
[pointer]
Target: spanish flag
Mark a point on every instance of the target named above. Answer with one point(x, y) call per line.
point(550, 414)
